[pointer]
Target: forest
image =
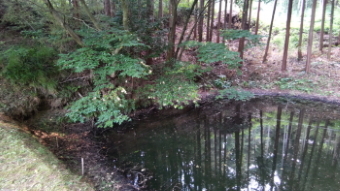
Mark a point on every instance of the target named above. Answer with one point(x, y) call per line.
point(103, 60)
point(70, 70)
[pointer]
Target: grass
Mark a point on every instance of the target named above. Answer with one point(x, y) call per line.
point(25, 164)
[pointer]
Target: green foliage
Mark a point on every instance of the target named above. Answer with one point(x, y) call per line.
point(230, 92)
point(172, 91)
point(106, 108)
point(106, 102)
point(296, 84)
point(33, 66)
point(233, 34)
point(216, 52)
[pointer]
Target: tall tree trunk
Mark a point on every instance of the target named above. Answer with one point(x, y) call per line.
point(208, 21)
point(160, 8)
point(200, 21)
point(310, 38)
point(195, 21)
point(172, 33)
point(244, 22)
point(330, 32)
point(258, 17)
point(150, 9)
point(219, 21)
point(212, 20)
point(250, 10)
point(225, 15)
point(107, 8)
point(230, 14)
point(76, 8)
point(270, 33)
point(324, 4)
point(301, 29)
point(93, 20)
point(125, 9)
point(62, 23)
point(285, 48)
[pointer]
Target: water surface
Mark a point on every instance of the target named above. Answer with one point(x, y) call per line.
point(263, 144)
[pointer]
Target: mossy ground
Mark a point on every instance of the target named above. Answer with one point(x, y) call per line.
point(25, 164)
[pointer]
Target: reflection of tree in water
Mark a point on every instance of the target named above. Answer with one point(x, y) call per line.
point(239, 147)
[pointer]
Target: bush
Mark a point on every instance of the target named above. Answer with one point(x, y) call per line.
point(30, 66)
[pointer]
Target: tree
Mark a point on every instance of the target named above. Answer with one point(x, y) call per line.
point(172, 26)
point(160, 8)
point(270, 33)
point(200, 22)
point(107, 8)
point(301, 30)
point(310, 37)
point(219, 21)
point(62, 23)
point(330, 31)
point(258, 17)
point(230, 14)
point(324, 4)
point(285, 49)
point(244, 27)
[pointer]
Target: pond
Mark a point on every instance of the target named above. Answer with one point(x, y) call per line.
point(262, 144)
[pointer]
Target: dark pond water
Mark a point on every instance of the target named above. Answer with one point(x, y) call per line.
point(263, 144)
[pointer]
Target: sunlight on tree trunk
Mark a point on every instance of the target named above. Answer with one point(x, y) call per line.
point(301, 30)
point(230, 14)
point(219, 21)
point(244, 22)
point(285, 49)
point(270, 33)
point(258, 17)
point(330, 43)
point(324, 4)
point(310, 38)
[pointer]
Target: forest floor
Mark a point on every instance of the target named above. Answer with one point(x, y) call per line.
point(322, 82)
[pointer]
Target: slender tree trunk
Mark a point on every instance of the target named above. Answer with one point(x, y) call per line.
point(330, 32)
point(258, 17)
point(230, 14)
point(301, 29)
point(324, 4)
point(195, 20)
point(219, 21)
point(225, 15)
point(150, 9)
point(270, 33)
point(62, 23)
point(310, 38)
point(244, 22)
point(250, 10)
point(76, 8)
point(107, 8)
point(160, 8)
point(208, 21)
point(212, 20)
point(172, 33)
point(93, 20)
point(200, 21)
point(125, 9)
point(185, 27)
point(285, 48)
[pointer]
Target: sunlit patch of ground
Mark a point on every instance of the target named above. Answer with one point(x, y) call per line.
point(27, 165)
